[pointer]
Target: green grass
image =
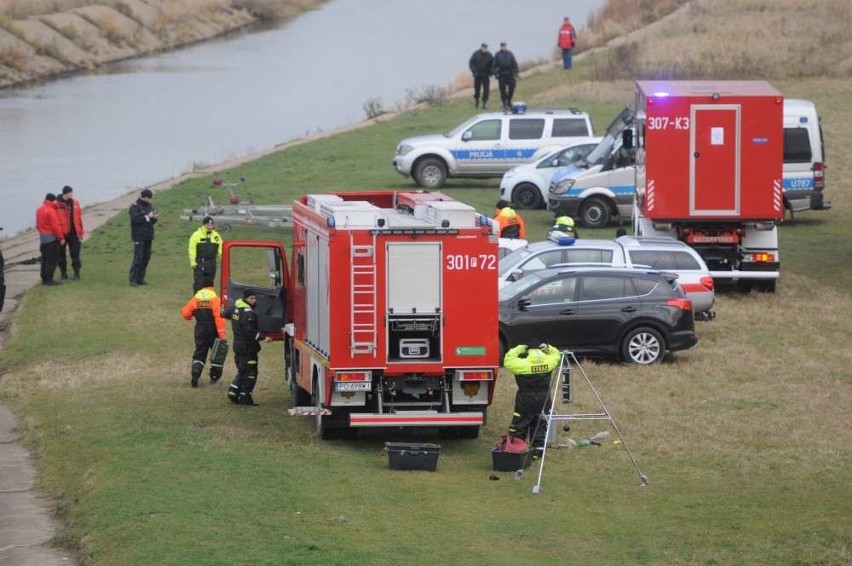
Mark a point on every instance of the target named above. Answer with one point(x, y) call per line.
point(746, 438)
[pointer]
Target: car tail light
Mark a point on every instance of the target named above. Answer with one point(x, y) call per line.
point(819, 176)
point(707, 282)
point(682, 304)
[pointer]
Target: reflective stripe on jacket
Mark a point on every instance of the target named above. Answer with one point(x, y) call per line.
point(205, 306)
point(532, 371)
point(204, 244)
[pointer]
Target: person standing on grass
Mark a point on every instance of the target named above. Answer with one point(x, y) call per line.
point(246, 349)
point(142, 220)
point(505, 68)
point(566, 41)
point(50, 238)
point(64, 227)
point(205, 248)
point(205, 306)
point(532, 367)
point(509, 221)
point(480, 65)
point(74, 232)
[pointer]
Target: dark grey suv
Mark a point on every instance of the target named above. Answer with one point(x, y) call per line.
point(635, 315)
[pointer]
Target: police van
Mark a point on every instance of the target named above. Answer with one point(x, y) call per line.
point(489, 144)
point(804, 158)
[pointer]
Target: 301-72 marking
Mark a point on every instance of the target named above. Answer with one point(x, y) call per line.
point(467, 262)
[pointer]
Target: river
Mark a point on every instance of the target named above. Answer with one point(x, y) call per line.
point(139, 122)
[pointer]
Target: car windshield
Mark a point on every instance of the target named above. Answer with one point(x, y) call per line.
point(520, 287)
point(601, 153)
point(464, 126)
point(514, 259)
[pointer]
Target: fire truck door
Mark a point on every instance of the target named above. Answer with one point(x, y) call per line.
point(714, 183)
point(414, 278)
point(242, 268)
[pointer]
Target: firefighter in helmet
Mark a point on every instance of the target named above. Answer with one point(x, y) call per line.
point(564, 225)
point(510, 222)
point(205, 307)
point(532, 367)
point(246, 348)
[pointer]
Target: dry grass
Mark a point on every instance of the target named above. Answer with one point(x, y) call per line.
point(618, 17)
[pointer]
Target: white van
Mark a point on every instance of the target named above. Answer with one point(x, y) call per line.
point(804, 158)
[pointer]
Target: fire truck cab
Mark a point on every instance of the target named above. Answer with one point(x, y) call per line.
point(392, 312)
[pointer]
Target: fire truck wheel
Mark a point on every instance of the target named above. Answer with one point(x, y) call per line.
point(594, 213)
point(526, 196)
point(430, 173)
point(644, 346)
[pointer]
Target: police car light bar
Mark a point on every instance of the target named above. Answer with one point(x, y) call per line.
point(561, 239)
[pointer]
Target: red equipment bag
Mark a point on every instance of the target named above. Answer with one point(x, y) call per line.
point(511, 445)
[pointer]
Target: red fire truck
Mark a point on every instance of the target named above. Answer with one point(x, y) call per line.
point(709, 172)
point(388, 311)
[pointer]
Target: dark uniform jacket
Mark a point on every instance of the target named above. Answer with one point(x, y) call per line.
point(245, 327)
point(505, 64)
point(480, 63)
point(141, 225)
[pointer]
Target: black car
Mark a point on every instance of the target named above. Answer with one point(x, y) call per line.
point(635, 315)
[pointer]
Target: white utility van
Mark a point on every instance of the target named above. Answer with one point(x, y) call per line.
point(804, 158)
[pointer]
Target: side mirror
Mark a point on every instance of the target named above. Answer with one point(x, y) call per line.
point(524, 304)
point(555, 163)
point(467, 135)
point(514, 275)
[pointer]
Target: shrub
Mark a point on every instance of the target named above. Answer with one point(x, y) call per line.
point(373, 108)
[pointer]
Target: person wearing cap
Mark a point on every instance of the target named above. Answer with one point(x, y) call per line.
point(205, 248)
point(143, 217)
point(566, 41)
point(50, 236)
point(532, 367)
point(205, 306)
point(480, 65)
point(505, 68)
point(247, 339)
point(71, 213)
point(511, 223)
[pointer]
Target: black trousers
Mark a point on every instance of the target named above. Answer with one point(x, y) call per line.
point(203, 273)
point(527, 422)
point(49, 258)
point(73, 245)
point(507, 88)
point(481, 83)
point(245, 357)
point(205, 335)
point(141, 257)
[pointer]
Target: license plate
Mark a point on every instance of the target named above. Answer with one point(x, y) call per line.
point(352, 386)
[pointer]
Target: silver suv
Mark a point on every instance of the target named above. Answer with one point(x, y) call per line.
point(488, 145)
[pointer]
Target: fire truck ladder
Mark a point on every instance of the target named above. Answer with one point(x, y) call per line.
point(363, 336)
point(561, 380)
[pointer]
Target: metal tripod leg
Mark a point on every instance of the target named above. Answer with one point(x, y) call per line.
point(566, 363)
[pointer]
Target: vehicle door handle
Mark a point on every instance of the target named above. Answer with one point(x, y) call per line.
point(568, 311)
point(629, 309)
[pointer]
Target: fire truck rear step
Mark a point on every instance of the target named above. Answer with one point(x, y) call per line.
point(307, 412)
point(416, 418)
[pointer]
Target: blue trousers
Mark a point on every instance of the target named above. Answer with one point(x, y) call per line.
point(566, 58)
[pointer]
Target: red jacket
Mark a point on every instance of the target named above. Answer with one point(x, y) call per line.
point(62, 217)
point(567, 36)
point(47, 220)
point(76, 216)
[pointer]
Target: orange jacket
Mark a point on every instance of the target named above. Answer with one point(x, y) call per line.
point(205, 306)
point(511, 224)
point(47, 220)
point(76, 215)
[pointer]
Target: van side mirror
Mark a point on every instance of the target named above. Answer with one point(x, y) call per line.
point(524, 304)
point(467, 136)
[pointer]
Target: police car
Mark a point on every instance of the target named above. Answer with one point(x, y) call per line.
point(658, 253)
point(489, 144)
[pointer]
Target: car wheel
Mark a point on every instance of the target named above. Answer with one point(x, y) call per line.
point(643, 346)
point(430, 173)
point(526, 196)
point(594, 213)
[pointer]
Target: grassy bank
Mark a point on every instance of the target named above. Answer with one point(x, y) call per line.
point(746, 438)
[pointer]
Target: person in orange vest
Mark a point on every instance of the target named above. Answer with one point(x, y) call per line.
point(50, 238)
point(566, 41)
point(510, 222)
point(205, 306)
point(71, 214)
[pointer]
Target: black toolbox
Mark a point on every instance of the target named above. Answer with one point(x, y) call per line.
point(412, 456)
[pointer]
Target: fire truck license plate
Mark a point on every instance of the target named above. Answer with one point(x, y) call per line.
point(352, 386)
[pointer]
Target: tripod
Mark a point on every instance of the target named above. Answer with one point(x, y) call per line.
point(561, 379)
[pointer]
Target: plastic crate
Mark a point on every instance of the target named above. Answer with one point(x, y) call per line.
point(508, 461)
point(412, 456)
